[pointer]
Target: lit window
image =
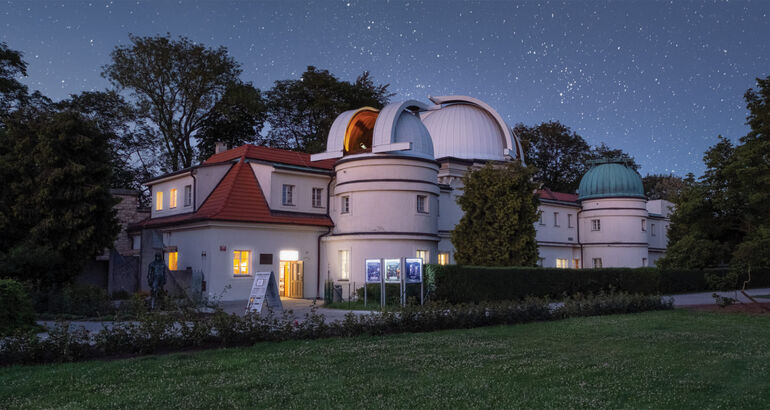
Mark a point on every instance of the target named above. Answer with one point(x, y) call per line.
point(424, 255)
point(241, 261)
point(597, 262)
point(345, 205)
point(596, 225)
point(288, 194)
point(421, 204)
point(172, 198)
point(652, 229)
point(443, 258)
point(159, 201)
point(317, 203)
point(187, 195)
point(569, 221)
point(562, 263)
point(288, 255)
point(344, 264)
point(644, 225)
point(556, 219)
point(576, 264)
point(173, 258)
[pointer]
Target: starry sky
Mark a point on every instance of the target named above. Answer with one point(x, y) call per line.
point(660, 80)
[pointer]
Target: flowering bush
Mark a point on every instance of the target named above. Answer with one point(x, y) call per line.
point(162, 332)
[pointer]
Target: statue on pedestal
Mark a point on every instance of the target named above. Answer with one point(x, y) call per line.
point(156, 277)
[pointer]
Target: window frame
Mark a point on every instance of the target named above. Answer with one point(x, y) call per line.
point(556, 219)
point(652, 230)
point(237, 268)
point(644, 225)
point(562, 263)
point(345, 204)
point(422, 200)
point(172, 261)
point(596, 225)
point(569, 221)
point(317, 197)
point(287, 195)
point(159, 200)
point(344, 259)
point(187, 195)
point(172, 198)
point(445, 257)
point(597, 265)
point(426, 259)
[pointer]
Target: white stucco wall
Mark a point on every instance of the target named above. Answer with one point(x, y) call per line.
point(207, 178)
point(303, 191)
point(620, 242)
point(166, 186)
point(199, 247)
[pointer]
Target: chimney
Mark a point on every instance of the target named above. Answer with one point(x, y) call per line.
point(220, 147)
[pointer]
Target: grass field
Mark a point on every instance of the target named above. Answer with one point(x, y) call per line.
point(667, 359)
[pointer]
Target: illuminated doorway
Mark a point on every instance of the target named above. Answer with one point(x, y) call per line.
point(291, 279)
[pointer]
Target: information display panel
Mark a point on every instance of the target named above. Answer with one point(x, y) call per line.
point(393, 270)
point(413, 270)
point(373, 270)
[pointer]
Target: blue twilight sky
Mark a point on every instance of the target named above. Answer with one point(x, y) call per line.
point(658, 79)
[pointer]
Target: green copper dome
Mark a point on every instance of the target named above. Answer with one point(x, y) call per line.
point(611, 178)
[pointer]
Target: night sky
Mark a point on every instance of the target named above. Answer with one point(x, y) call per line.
point(658, 80)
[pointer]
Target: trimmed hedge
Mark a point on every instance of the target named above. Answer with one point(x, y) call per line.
point(16, 313)
point(464, 284)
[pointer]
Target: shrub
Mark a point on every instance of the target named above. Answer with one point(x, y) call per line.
point(460, 284)
point(76, 300)
point(157, 333)
point(16, 311)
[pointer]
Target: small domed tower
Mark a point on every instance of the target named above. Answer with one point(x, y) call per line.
point(613, 220)
point(384, 201)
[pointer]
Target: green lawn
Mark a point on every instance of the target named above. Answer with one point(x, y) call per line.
point(667, 359)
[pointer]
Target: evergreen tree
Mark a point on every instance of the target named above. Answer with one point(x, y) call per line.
point(500, 211)
point(56, 211)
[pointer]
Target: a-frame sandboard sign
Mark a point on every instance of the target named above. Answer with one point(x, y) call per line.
point(264, 290)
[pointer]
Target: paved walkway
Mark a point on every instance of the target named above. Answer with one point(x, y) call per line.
point(706, 298)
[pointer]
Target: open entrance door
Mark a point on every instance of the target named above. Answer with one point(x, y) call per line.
point(291, 281)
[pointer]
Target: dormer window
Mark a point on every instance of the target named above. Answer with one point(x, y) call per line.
point(172, 198)
point(288, 194)
point(159, 201)
point(187, 195)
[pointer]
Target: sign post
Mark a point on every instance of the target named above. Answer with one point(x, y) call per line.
point(413, 273)
point(373, 275)
point(264, 290)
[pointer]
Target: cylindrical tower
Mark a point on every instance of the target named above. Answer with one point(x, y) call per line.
point(613, 219)
point(384, 201)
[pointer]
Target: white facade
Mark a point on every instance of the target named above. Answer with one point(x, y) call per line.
point(386, 187)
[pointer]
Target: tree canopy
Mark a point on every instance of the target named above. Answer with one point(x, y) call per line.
point(499, 215)
point(560, 155)
point(724, 216)
point(175, 84)
point(301, 112)
point(661, 186)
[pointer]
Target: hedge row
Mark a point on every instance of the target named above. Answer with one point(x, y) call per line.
point(473, 284)
point(162, 333)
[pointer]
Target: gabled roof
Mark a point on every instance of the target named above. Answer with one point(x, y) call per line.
point(280, 156)
point(549, 195)
point(239, 198)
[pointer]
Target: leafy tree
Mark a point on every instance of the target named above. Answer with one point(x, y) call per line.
point(301, 112)
point(604, 151)
point(175, 85)
point(725, 216)
point(498, 224)
point(661, 186)
point(236, 119)
point(11, 66)
point(558, 153)
point(132, 153)
point(55, 207)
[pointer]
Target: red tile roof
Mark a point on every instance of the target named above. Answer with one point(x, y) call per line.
point(239, 197)
point(280, 156)
point(556, 196)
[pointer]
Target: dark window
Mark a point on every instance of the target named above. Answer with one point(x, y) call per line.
point(265, 258)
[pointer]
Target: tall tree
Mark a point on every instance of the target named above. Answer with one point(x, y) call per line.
point(55, 207)
point(499, 215)
point(301, 112)
point(175, 84)
point(558, 153)
point(11, 90)
point(661, 186)
point(604, 151)
point(132, 152)
point(236, 119)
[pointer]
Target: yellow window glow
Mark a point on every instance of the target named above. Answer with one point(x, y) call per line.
point(173, 257)
point(241, 262)
point(172, 199)
point(443, 258)
point(159, 201)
